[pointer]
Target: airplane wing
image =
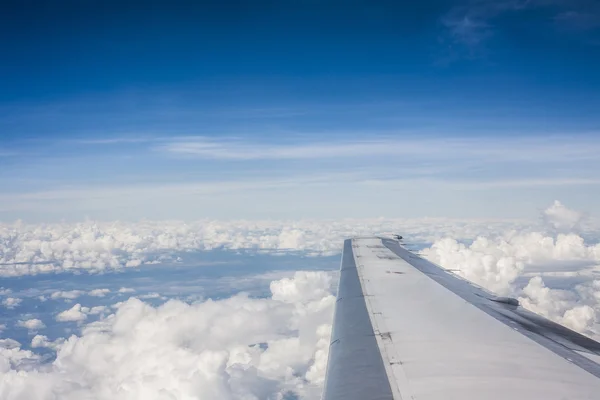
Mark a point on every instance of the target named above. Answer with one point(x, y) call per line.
point(405, 328)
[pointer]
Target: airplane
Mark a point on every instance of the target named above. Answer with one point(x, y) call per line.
point(404, 328)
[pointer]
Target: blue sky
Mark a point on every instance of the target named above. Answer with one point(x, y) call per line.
point(126, 110)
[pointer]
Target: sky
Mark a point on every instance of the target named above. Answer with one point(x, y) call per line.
point(129, 110)
point(177, 178)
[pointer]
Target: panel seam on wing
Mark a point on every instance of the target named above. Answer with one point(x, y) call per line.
point(398, 380)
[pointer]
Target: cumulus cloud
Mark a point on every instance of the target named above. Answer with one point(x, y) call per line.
point(236, 348)
point(561, 218)
point(73, 294)
point(563, 306)
point(498, 262)
point(126, 290)
point(304, 286)
point(152, 295)
point(495, 263)
point(11, 302)
point(73, 314)
point(94, 246)
point(31, 324)
point(12, 359)
point(41, 341)
point(70, 294)
point(99, 292)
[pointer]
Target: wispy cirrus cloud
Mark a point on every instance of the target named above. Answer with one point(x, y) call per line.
point(474, 22)
point(580, 20)
point(549, 148)
point(482, 184)
point(310, 175)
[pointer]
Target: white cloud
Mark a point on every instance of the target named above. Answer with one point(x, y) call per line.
point(152, 295)
point(562, 218)
point(95, 246)
point(74, 314)
point(31, 324)
point(9, 344)
point(96, 310)
point(528, 149)
point(239, 347)
point(497, 262)
point(13, 359)
point(78, 313)
point(304, 286)
point(11, 302)
point(43, 341)
point(99, 292)
point(70, 294)
point(126, 290)
point(563, 306)
point(73, 294)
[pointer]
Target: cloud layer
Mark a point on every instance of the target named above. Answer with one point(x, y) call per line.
point(94, 246)
point(240, 348)
point(261, 348)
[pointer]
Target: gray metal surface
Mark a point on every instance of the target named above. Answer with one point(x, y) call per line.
point(555, 337)
point(406, 329)
point(355, 370)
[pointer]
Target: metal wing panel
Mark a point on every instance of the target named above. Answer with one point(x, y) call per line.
point(440, 337)
point(355, 370)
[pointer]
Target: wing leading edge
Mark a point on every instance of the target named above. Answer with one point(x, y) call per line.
point(406, 329)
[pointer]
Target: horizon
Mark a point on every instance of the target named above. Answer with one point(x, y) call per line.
point(457, 109)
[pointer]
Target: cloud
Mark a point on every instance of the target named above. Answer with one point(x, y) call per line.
point(70, 294)
point(95, 310)
point(78, 313)
point(152, 295)
point(74, 314)
point(11, 302)
point(13, 359)
point(304, 286)
point(31, 324)
point(239, 347)
point(498, 263)
point(562, 218)
point(562, 306)
point(126, 290)
point(41, 341)
point(99, 292)
point(276, 347)
point(105, 246)
point(475, 22)
point(284, 177)
point(471, 24)
point(552, 148)
point(580, 20)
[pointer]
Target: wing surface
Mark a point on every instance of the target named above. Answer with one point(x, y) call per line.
point(405, 328)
